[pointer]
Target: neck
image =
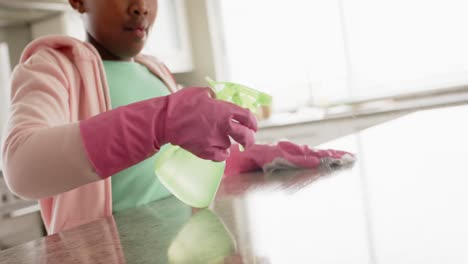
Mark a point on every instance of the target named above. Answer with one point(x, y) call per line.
point(103, 52)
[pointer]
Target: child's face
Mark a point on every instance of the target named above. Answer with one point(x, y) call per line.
point(117, 28)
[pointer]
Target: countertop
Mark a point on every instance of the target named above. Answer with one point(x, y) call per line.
point(403, 201)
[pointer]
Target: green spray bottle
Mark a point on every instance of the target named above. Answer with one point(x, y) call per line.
point(193, 180)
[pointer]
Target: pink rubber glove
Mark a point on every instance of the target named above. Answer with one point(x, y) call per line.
point(284, 155)
point(190, 118)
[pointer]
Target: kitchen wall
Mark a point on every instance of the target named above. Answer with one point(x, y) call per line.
point(25, 227)
point(17, 37)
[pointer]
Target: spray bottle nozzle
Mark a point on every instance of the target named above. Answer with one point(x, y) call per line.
point(239, 94)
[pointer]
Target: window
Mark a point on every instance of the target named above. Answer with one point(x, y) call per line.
point(397, 46)
point(309, 52)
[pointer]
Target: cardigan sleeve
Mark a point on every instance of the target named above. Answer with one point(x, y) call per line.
point(43, 154)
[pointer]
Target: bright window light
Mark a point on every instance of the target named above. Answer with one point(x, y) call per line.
point(309, 52)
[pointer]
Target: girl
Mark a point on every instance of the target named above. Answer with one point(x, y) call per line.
point(64, 141)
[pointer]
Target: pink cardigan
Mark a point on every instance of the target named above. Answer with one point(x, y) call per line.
point(60, 81)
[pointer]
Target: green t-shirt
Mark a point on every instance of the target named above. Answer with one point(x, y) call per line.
point(130, 82)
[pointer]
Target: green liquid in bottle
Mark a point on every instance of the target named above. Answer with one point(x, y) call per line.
point(193, 180)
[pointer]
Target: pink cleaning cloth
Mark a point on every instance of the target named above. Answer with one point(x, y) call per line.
point(284, 155)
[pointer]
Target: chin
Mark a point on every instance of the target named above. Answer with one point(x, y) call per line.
point(129, 54)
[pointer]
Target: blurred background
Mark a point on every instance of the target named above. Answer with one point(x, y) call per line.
point(319, 59)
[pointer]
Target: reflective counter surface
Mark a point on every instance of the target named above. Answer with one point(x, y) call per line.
point(403, 201)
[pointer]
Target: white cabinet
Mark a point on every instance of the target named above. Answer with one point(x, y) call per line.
point(66, 23)
point(169, 40)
